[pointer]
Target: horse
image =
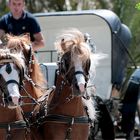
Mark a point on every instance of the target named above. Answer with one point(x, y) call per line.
point(12, 123)
point(69, 110)
point(33, 84)
point(66, 111)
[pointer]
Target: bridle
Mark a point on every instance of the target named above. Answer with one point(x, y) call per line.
point(63, 72)
point(68, 72)
point(65, 69)
point(21, 124)
point(24, 73)
point(62, 75)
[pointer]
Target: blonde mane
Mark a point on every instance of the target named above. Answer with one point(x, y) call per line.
point(73, 40)
point(6, 56)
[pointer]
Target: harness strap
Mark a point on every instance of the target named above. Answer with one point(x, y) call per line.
point(13, 125)
point(69, 130)
point(64, 119)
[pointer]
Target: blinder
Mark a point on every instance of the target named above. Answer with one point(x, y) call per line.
point(4, 90)
point(64, 63)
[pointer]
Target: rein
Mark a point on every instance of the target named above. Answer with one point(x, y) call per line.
point(62, 118)
point(70, 120)
point(21, 124)
point(35, 84)
point(27, 77)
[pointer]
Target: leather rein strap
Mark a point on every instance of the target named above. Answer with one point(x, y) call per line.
point(63, 119)
point(67, 119)
point(13, 125)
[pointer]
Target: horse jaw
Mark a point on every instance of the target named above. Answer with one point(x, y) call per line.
point(14, 93)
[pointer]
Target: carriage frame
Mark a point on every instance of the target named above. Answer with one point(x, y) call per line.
point(110, 36)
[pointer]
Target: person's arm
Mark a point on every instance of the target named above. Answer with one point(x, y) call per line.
point(39, 41)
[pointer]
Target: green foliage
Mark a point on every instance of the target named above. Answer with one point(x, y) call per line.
point(137, 6)
point(127, 10)
point(56, 5)
point(3, 8)
point(134, 26)
point(124, 9)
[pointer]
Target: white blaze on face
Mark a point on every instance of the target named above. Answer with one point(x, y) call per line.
point(80, 77)
point(14, 93)
point(12, 87)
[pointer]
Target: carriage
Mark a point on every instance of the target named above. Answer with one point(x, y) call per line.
point(108, 36)
point(107, 32)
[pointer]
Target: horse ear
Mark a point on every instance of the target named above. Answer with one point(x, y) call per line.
point(63, 45)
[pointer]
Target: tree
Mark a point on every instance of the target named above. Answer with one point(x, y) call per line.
point(3, 7)
point(66, 5)
point(123, 8)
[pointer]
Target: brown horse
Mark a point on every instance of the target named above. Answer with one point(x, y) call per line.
point(69, 109)
point(12, 123)
point(66, 111)
point(32, 87)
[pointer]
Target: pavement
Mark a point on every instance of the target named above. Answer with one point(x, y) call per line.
point(136, 138)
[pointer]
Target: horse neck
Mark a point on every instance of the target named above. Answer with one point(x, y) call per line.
point(37, 78)
point(62, 103)
point(30, 88)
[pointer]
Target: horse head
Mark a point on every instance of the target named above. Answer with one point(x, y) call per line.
point(22, 45)
point(74, 59)
point(12, 67)
point(16, 61)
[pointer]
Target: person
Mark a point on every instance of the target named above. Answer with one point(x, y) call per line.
point(18, 21)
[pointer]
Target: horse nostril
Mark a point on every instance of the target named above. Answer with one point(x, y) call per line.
point(15, 100)
point(20, 101)
point(82, 87)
